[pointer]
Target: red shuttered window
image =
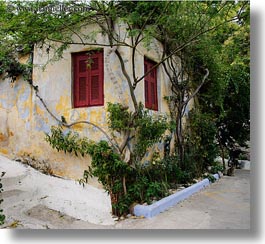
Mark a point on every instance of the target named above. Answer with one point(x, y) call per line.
point(150, 85)
point(88, 77)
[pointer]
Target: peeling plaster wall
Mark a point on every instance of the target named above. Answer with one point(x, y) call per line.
point(24, 120)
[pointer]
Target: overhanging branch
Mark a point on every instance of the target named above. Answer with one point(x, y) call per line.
point(111, 140)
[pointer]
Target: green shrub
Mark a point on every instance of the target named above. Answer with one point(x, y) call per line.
point(149, 130)
point(127, 183)
point(216, 168)
point(119, 117)
point(156, 190)
point(201, 147)
point(210, 177)
point(174, 174)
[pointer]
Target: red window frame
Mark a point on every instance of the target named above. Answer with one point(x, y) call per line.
point(88, 79)
point(150, 85)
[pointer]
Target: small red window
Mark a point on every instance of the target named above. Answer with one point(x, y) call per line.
point(150, 85)
point(88, 77)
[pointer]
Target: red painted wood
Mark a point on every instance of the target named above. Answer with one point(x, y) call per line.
point(151, 101)
point(97, 79)
point(88, 76)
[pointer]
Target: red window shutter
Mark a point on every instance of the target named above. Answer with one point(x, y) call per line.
point(152, 93)
point(81, 98)
point(96, 79)
point(95, 93)
point(82, 89)
point(146, 92)
point(88, 79)
point(150, 85)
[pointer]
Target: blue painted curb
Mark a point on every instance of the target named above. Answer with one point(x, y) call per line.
point(152, 210)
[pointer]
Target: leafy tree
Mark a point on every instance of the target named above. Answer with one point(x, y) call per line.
point(197, 37)
point(226, 97)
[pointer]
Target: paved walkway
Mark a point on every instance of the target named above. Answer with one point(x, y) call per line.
point(223, 205)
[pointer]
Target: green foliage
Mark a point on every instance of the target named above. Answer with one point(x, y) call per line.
point(68, 142)
point(2, 216)
point(28, 23)
point(125, 184)
point(119, 117)
point(227, 94)
point(210, 177)
point(12, 68)
point(146, 128)
point(224, 51)
point(116, 176)
point(149, 130)
point(157, 189)
point(111, 172)
point(107, 166)
point(144, 190)
point(200, 140)
point(216, 168)
point(176, 175)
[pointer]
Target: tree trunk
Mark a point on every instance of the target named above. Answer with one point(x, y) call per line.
point(222, 154)
point(223, 157)
point(172, 144)
point(179, 140)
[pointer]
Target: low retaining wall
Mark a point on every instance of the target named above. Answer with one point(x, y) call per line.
point(152, 210)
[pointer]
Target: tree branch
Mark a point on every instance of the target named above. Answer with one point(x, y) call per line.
point(115, 145)
point(198, 88)
point(181, 47)
point(125, 141)
point(125, 73)
point(86, 43)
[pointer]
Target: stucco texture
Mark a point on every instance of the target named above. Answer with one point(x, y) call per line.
point(24, 119)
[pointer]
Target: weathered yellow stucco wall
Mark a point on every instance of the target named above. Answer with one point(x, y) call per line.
point(24, 120)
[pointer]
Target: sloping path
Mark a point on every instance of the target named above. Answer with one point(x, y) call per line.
point(225, 204)
point(36, 201)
